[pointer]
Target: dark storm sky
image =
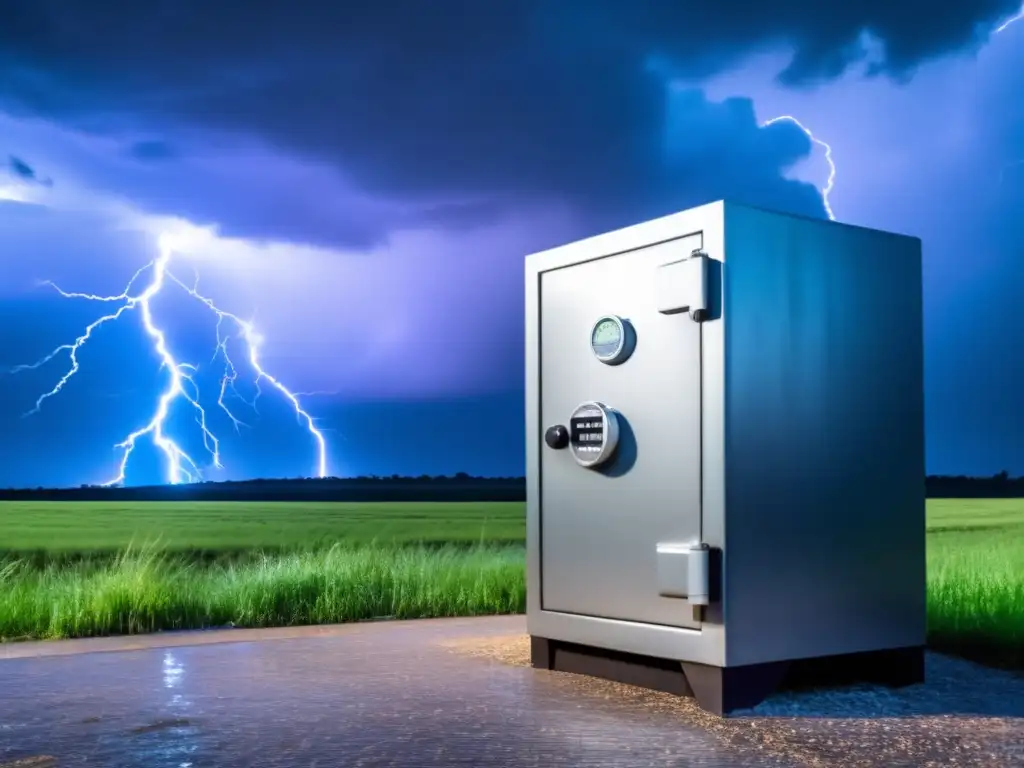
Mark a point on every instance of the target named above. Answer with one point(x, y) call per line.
point(361, 181)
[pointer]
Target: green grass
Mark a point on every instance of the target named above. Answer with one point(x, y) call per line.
point(73, 568)
point(145, 590)
point(976, 578)
point(47, 531)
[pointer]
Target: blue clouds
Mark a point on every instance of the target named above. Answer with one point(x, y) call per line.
point(423, 148)
point(25, 172)
point(456, 99)
point(153, 150)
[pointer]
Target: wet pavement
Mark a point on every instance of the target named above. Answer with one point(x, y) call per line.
point(387, 694)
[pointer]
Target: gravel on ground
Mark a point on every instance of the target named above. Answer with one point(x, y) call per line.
point(963, 715)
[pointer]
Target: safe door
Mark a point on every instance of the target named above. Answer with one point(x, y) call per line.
point(620, 409)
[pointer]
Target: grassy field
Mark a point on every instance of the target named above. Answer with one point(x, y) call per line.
point(976, 578)
point(146, 590)
point(203, 530)
point(80, 569)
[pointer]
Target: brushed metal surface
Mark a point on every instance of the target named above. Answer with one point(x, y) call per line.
point(368, 695)
point(824, 438)
point(812, 479)
point(707, 644)
point(600, 528)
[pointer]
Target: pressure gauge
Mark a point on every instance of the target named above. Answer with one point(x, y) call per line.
point(612, 339)
point(593, 434)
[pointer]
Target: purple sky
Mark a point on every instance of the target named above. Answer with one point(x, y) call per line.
point(367, 198)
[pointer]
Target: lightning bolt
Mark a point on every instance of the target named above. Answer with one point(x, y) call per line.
point(1012, 20)
point(180, 466)
point(828, 158)
point(1009, 167)
point(830, 183)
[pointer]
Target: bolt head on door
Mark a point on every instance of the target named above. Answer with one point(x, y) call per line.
point(557, 437)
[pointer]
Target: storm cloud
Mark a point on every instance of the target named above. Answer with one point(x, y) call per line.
point(363, 181)
point(472, 100)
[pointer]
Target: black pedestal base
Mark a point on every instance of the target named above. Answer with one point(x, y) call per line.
point(724, 690)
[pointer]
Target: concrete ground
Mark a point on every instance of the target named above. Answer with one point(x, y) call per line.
point(443, 693)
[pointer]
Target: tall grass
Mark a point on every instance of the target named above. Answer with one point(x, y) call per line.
point(147, 590)
point(976, 594)
point(270, 565)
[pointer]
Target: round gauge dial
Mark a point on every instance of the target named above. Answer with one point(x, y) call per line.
point(612, 339)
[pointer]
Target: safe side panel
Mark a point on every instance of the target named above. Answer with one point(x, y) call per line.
point(824, 439)
point(600, 528)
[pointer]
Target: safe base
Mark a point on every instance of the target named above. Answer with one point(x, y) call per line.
point(724, 690)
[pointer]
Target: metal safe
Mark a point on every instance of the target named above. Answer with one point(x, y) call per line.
point(725, 455)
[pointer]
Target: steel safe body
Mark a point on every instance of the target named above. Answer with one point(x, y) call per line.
point(770, 440)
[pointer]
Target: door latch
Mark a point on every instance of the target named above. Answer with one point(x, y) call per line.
point(682, 286)
point(684, 570)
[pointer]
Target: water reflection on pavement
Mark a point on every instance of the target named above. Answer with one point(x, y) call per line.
point(366, 695)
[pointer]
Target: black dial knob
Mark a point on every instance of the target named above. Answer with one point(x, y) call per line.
point(556, 437)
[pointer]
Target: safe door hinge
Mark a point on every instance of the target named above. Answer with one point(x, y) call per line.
point(682, 286)
point(684, 570)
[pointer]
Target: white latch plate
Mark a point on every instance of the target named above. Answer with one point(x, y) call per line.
point(684, 571)
point(681, 286)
